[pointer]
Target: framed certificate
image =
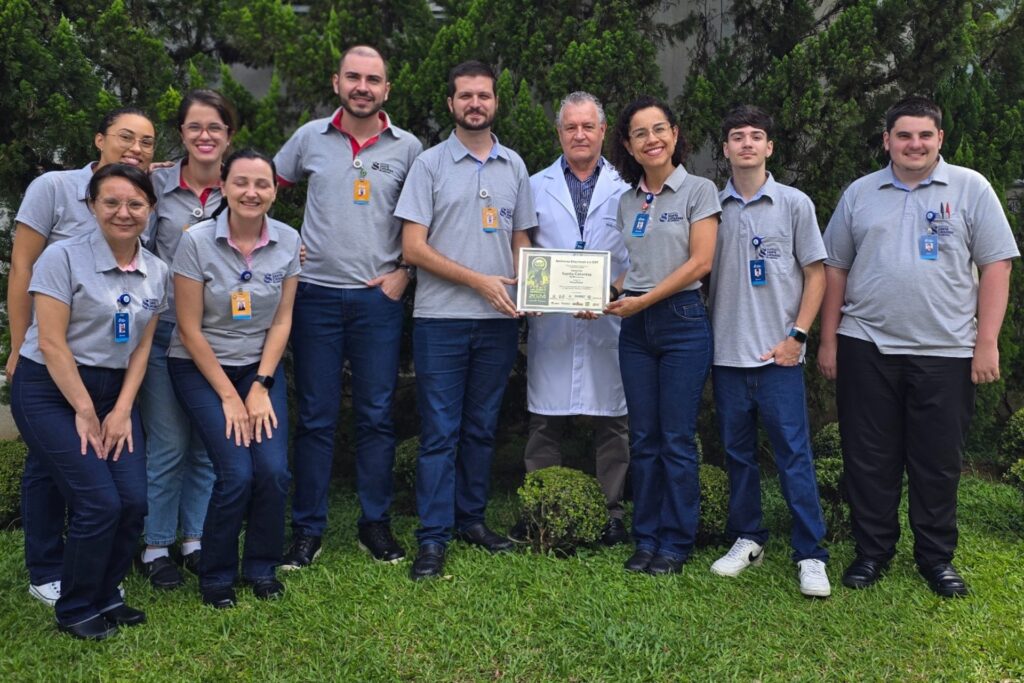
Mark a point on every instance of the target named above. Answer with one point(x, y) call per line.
point(563, 280)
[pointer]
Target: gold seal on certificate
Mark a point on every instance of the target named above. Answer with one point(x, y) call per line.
point(563, 280)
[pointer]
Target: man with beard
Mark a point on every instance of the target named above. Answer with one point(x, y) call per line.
point(466, 207)
point(349, 301)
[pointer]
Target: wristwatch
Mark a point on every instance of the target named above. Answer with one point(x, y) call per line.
point(266, 380)
point(615, 293)
point(798, 334)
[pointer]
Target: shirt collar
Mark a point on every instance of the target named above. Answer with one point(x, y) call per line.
point(103, 257)
point(178, 169)
point(335, 122)
point(268, 234)
point(940, 174)
point(567, 170)
point(673, 182)
point(768, 189)
point(459, 151)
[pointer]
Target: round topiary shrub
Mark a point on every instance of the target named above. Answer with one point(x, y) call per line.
point(12, 464)
point(562, 508)
point(714, 504)
point(833, 505)
point(826, 443)
point(1015, 475)
point(1011, 445)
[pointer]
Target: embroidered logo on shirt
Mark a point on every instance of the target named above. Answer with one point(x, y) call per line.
point(275, 278)
point(507, 213)
point(151, 304)
point(769, 251)
point(670, 217)
point(383, 167)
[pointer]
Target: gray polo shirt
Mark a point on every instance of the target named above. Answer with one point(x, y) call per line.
point(55, 204)
point(177, 209)
point(684, 200)
point(749, 320)
point(82, 273)
point(204, 254)
point(348, 242)
point(448, 190)
point(901, 302)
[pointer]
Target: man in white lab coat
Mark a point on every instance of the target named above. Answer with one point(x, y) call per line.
point(573, 363)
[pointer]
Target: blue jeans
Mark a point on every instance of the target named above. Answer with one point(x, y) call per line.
point(462, 369)
point(252, 482)
point(107, 497)
point(179, 471)
point(776, 395)
point(664, 354)
point(331, 325)
point(43, 513)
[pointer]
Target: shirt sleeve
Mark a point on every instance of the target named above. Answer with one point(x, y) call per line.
point(703, 201)
point(526, 214)
point(38, 208)
point(288, 160)
point(808, 246)
point(416, 201)
point(51, 275)
point(295, 265)
point(186, 259)
point(991, 236)
point(838, 237)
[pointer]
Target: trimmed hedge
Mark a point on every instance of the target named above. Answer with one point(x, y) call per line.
point(1011, 445)
point(714, 505)
point(12, 464)
point(563, 508)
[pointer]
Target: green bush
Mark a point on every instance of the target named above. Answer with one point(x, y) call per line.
point(12, 463)
point(405, 464)
point(826, 442)
point(714, 504)
point(833, 505)
point(563, 508)
point(1015, 475)
point(1011, 445)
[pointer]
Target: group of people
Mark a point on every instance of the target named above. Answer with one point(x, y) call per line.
point(171, 415)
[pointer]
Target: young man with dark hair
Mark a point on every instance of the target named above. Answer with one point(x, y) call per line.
point(767, 283)
point(918, 275)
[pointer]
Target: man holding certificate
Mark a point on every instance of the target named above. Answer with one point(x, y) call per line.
point(466, 207)
point(573, 364)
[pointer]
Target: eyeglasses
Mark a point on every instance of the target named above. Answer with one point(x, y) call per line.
point(658, 130)
point(214, 129)
point(136, 207)
point(129, 139)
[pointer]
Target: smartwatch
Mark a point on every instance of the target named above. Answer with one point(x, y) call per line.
point(266, 380)
point(615, 293)
point(798, 334)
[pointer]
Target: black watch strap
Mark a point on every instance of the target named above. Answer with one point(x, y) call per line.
point(266, 380)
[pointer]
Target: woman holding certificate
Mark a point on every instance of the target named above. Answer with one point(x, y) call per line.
point(669, 222)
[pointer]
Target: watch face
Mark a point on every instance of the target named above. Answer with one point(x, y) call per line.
point(265, 380)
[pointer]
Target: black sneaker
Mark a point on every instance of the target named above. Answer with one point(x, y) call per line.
point(376, 538)
point(191, 561)
point(161, 572)
point(614, 533)
point(304, 550)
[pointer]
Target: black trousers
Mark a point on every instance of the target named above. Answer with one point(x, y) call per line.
point(902, 413)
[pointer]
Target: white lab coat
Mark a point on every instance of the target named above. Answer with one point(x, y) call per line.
point(573, 365)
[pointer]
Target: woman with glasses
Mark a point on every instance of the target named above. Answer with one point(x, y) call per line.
point(235, 278)
point(55, 207)
point(179, 470)
point(96, 299)
point(669, 222)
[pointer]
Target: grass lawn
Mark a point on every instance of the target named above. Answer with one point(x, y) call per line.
point(534, 618)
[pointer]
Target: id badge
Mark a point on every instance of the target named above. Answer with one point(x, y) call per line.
point(122, 327)
point(640, 224)
point(581, 244)
point(928, 247)
point(241, 305)
point(361, 191)
point(489, 219)
point(758, 276)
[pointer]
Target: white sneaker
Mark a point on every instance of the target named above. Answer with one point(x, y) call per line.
point(813, 579)
point(741, 555)
point(48, 593)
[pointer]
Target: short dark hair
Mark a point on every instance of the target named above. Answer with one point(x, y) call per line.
point(747, 115)
point(628, 167)
point(114, 114)
point(915, 105)
point(363, 51)
point(211, 98)
point(471, 68)
point(133, 175)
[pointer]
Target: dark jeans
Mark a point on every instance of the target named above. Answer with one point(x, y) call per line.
point(665, 353)
point(462, 369)
point(252, 481)
point(775, 395)
point(107, 497)
point(329, 326)
point(902, 413)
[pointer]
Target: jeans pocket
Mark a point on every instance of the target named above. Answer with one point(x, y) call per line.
point(689, 311)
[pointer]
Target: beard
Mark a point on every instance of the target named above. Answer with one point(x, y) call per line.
point(361, 113)
point(483, 125)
